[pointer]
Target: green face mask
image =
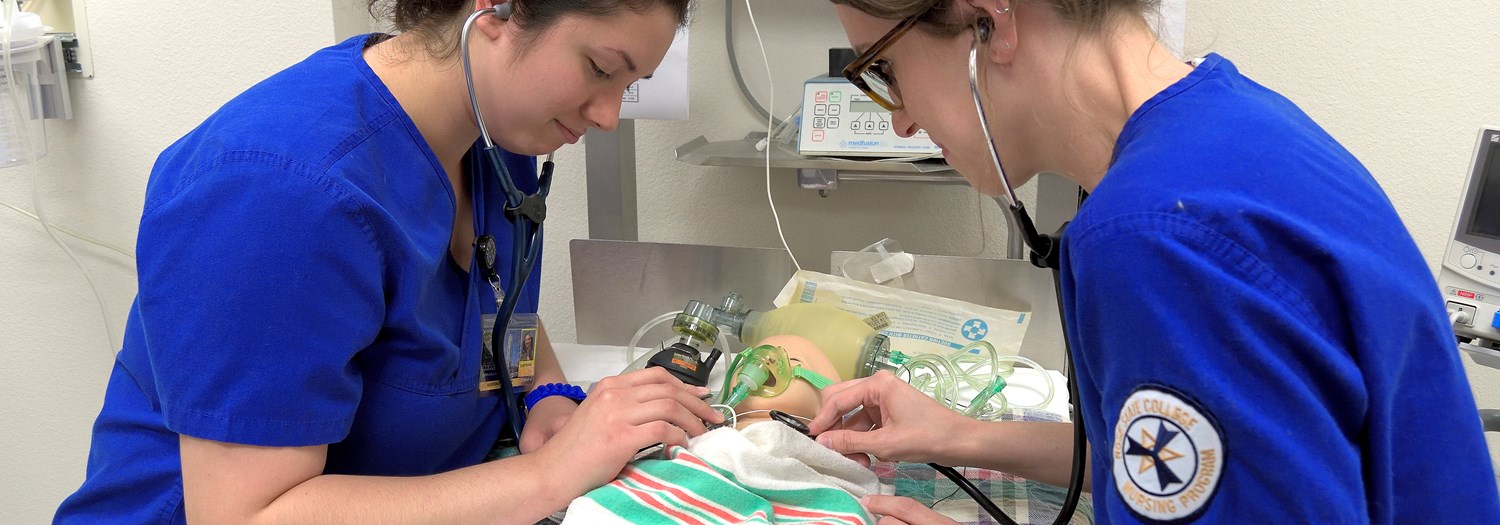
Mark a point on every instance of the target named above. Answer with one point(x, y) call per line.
point(770, 371)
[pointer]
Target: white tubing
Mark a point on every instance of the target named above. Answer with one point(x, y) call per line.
point(636, 339)
point(641, 333)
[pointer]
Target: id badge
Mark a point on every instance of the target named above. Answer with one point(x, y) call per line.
point(519, 343)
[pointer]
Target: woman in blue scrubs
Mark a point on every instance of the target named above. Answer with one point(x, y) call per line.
point(305, 344)
point(1256, 337)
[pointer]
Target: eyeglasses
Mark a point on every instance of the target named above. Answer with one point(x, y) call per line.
point(872, 74)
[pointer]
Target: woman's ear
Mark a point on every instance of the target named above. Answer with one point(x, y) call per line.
point(995, 23)
point(492, 26)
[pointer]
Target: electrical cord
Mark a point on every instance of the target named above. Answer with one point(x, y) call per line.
point(1456, 317)
point(10, 7)
point(73, 234)
point(770, 130)
point(734, 62)
point(984, 238)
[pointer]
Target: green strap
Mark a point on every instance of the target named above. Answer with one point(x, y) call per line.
point(817, 380)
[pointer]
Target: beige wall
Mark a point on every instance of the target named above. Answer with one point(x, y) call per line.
point(1404, 85)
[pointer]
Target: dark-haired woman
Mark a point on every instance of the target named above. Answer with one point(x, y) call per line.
point(305, 344)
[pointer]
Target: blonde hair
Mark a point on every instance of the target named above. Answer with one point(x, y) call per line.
point(940, 19)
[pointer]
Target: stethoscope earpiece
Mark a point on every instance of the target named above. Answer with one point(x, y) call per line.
point(983, 28)
point(502, 11)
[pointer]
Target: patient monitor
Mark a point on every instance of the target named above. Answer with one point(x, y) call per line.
point(1470, 275)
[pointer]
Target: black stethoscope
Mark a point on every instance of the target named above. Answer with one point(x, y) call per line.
point(1045, 253)
point(525, 213)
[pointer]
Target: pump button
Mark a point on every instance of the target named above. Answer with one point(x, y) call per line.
point(1468, 261)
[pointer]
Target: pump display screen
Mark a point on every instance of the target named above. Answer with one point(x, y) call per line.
point(1485, 221)
point(864, 106)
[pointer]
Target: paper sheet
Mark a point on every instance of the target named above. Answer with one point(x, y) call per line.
point(664, 96)
point(1172, 25)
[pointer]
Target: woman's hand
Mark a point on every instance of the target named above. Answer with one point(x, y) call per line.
point(622, 415)
point(897, 423)
point(896, 510)
point(544, 420)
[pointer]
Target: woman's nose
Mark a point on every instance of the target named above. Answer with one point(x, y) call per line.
point(905, 126)
point(604, 112)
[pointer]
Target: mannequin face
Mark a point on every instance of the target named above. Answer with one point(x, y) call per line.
point(800, 398)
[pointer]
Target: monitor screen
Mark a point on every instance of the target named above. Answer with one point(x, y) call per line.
point(865, 106)
point(1485, 220)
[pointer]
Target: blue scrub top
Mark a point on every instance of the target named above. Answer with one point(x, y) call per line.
point(296, 289)
point(1258, 339)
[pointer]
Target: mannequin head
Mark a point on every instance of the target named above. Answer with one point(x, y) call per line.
point(800, 398)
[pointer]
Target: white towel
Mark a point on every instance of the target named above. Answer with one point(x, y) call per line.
point(759, 474)
point(770, 455)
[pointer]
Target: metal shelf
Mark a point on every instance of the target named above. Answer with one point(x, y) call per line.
point(813, 172)
point(1482, 355)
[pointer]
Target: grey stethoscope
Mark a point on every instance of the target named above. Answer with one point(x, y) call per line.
point(525, 213)
point(1045, 253)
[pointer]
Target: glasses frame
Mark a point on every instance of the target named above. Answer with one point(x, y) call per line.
point(855, 71)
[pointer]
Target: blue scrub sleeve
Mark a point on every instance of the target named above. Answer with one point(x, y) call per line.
point(1204, 360)
point(259, 285)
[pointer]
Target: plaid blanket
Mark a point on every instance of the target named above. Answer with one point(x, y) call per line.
point(1025, 501)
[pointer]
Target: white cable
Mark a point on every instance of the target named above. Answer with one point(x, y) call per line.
point(1456, 317)
point(641, 333)
point(787, 126)
point(984, 239)
point(10, 7)
point(770, 130)
point(73, 234)
point(636, 339)
point(730, 418)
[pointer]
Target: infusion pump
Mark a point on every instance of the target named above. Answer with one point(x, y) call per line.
point(840, 120)
point(1470, 275)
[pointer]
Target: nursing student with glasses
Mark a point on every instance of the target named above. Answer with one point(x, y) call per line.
point(1253, 329)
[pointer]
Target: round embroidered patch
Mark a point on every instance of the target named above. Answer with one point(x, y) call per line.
point(1168, 455)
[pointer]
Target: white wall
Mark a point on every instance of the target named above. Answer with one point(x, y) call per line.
point(1405, 86)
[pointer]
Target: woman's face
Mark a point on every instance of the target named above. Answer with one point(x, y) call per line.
point(800, 398)
point(568, 78)
point(932, 74)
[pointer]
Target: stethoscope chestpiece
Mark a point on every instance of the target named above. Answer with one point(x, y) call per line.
point(791, 421)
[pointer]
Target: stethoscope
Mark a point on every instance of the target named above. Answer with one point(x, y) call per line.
point(1045, 253)
point(525, 212)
